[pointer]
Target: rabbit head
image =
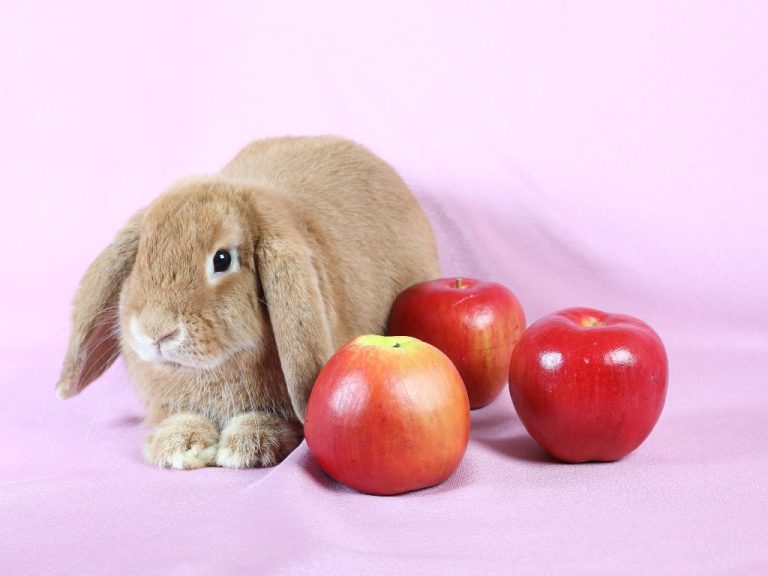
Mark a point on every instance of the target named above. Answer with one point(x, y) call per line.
point(210, 270)
point(192, 297)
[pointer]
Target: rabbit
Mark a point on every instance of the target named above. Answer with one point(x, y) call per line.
point(227, 294)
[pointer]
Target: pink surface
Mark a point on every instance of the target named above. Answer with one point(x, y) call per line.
point(583, 154)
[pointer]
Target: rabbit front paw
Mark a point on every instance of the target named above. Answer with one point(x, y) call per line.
point(257, 439)
point(182, 441)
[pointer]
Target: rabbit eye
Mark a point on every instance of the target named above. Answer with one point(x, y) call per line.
point(221, 261)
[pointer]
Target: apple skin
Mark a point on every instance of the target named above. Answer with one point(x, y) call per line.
point(388, 415)
point(476, 325)
point(589, 386)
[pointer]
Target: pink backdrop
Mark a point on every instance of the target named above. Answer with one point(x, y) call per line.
point(583, 153)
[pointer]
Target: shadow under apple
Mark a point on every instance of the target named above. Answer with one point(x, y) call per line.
point(518, 446)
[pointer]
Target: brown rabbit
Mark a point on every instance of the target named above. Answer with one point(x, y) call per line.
point(228, 293)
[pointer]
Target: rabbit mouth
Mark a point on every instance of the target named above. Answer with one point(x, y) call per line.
point(159, 356)
point(172, 348)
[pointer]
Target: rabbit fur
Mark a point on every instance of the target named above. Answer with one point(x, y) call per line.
point(321, 235)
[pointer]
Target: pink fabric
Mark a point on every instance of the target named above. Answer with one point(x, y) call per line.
point(598, 154)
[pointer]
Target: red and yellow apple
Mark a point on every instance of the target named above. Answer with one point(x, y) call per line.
point(388, 415)
point(588, 386)
point(476, 324)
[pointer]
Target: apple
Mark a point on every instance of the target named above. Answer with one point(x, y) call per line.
point(388, 415)
point(588, 386)
point(476, 324)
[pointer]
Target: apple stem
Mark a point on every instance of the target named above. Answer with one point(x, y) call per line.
point(459, 283)
point(397, 345)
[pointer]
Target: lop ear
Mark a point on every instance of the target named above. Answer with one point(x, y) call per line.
point(94, 341)
point(296, 310)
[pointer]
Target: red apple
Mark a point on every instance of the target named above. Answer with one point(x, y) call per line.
point(476, 324)
point(587, 385)
point(388, 415)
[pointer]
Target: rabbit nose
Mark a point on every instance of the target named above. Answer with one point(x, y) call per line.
point(154, 327)
point(172, 335)
point(154, 338)
point(162, 333)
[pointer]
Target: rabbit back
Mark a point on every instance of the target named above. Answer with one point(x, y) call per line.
point(368, 235)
